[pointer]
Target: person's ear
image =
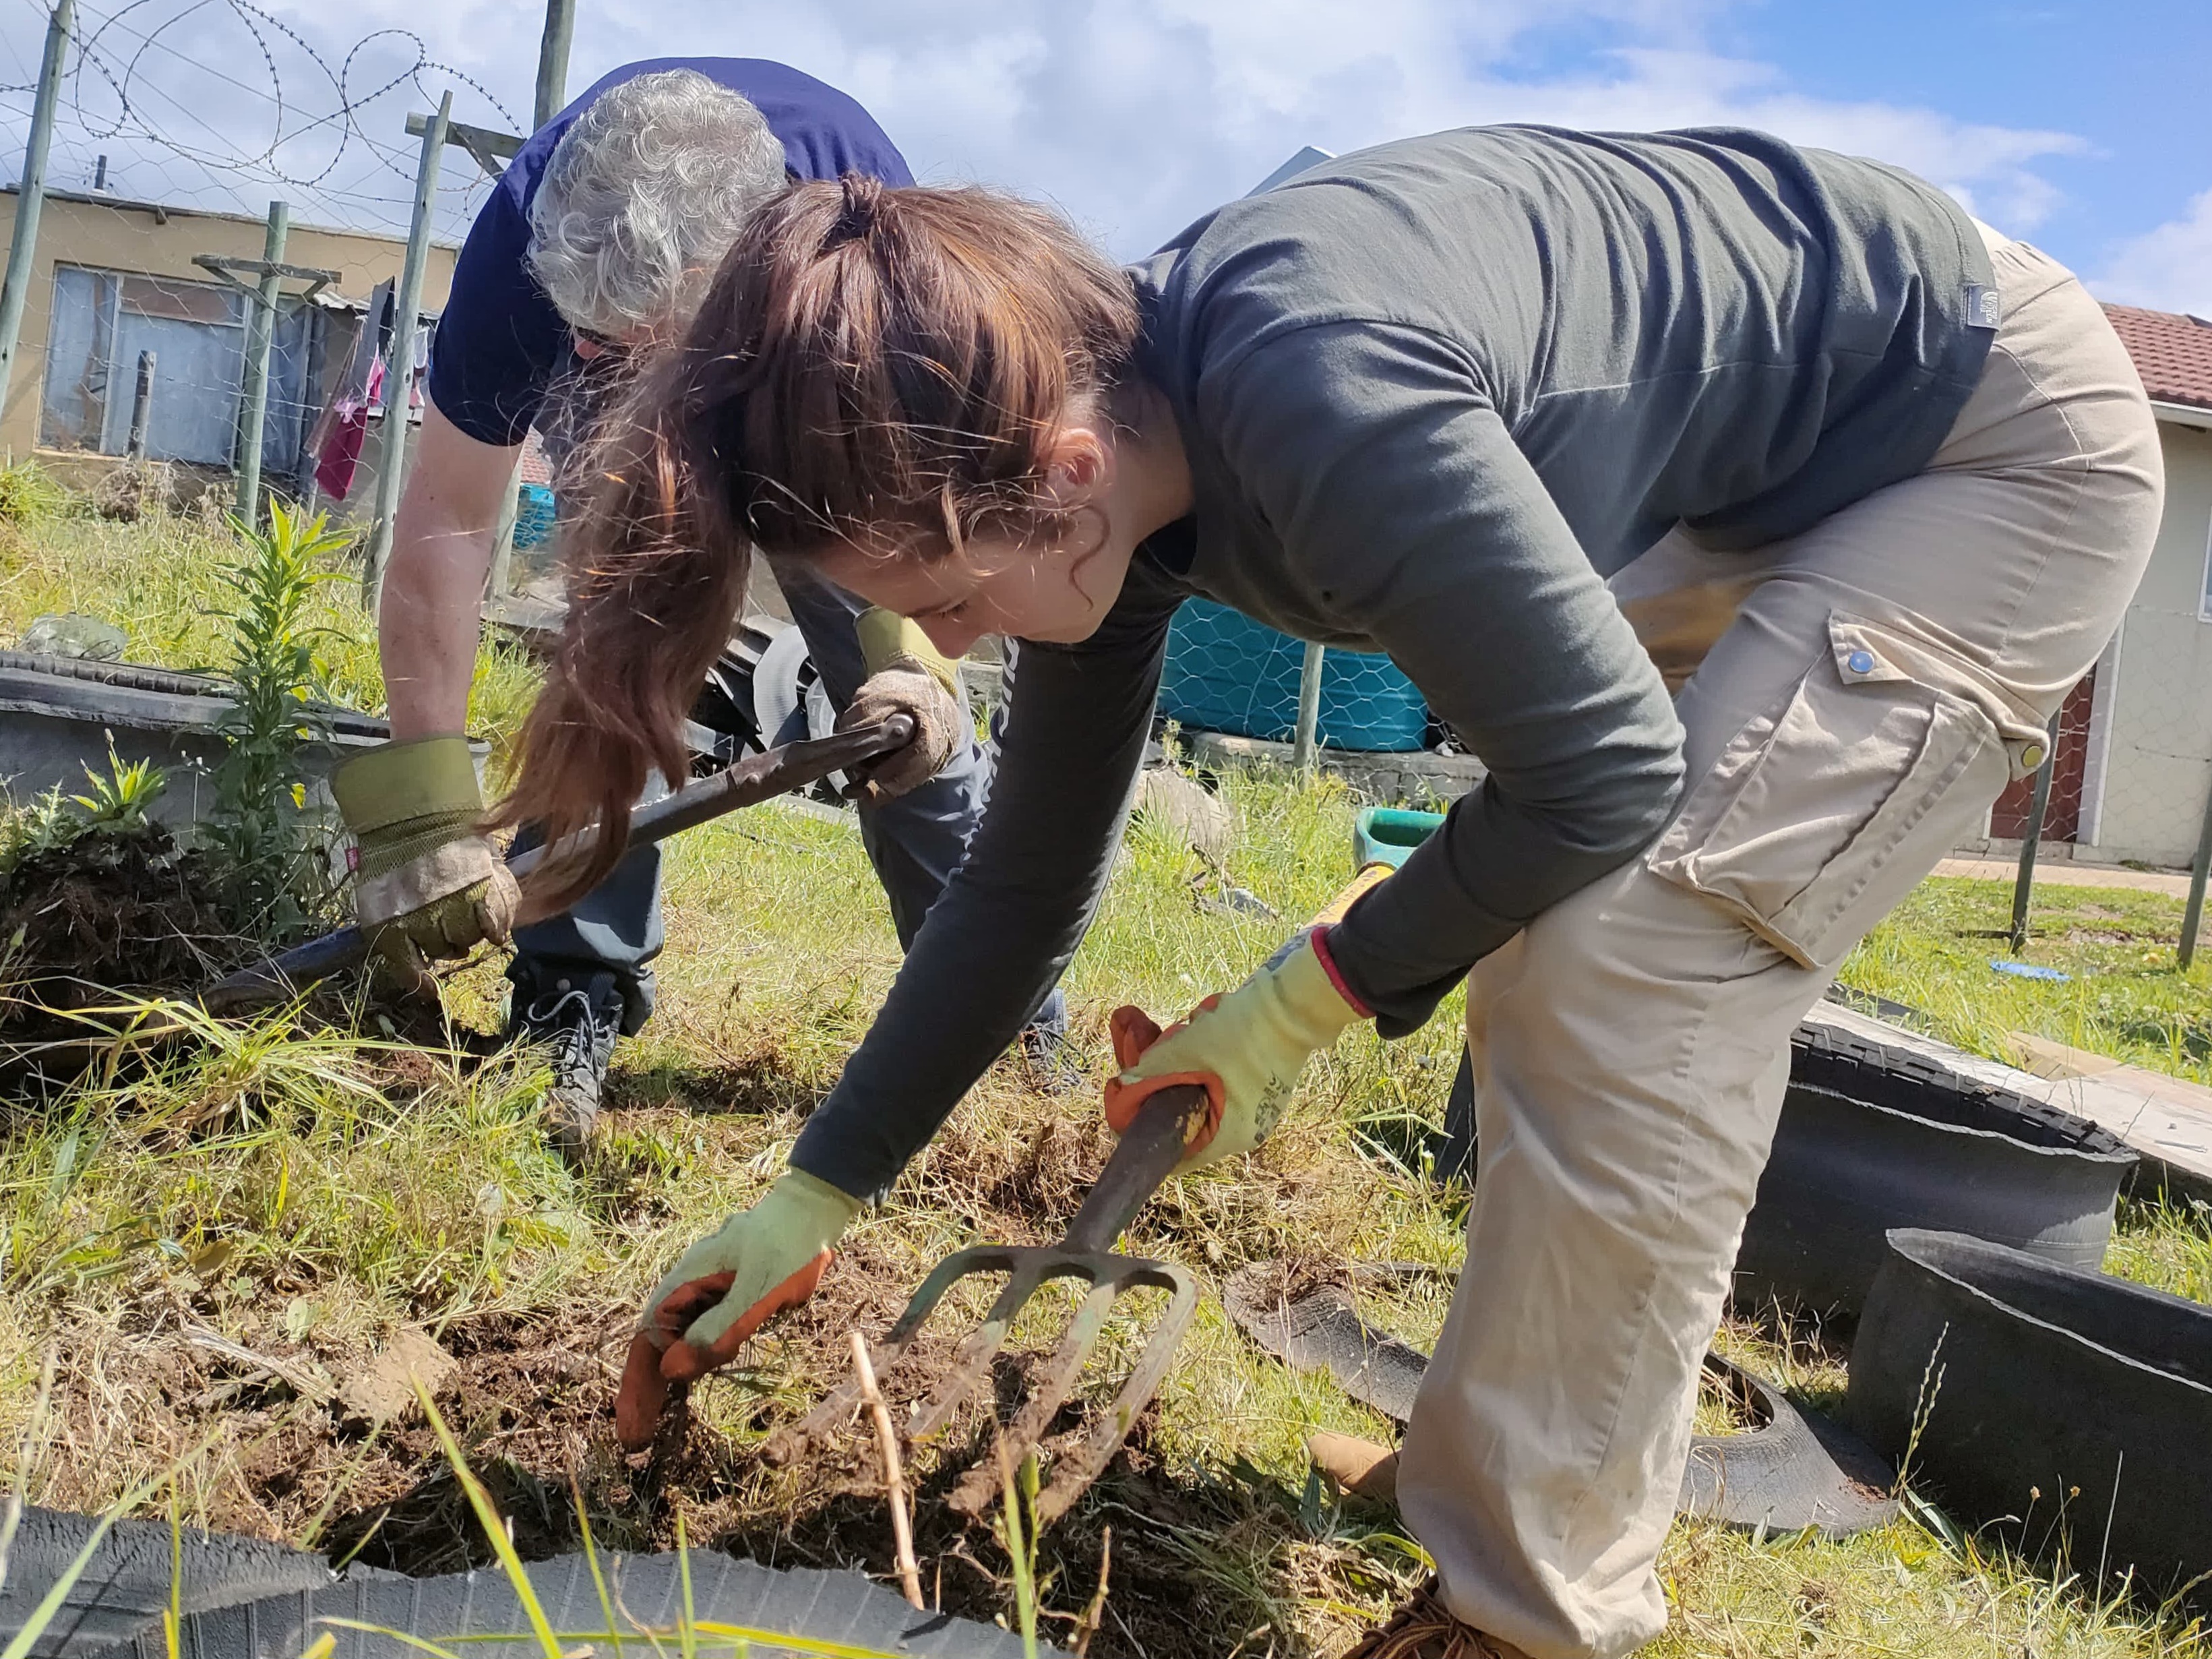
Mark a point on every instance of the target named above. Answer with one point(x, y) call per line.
point(1079, 465)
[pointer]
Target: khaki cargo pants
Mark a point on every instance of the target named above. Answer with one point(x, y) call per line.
point(1855, 698)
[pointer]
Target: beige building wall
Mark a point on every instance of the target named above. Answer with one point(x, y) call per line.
point(147, 239)
point(2157, 747)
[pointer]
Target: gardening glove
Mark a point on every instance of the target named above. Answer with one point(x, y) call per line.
point(426, 885)
point(906, 676)
point(1245, 1049)
point(763, 1261)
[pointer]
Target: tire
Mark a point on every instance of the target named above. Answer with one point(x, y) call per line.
point(125, 1588)
point(842, 1608)
point(244, 1599)
point(1795, 1472)
point(2065, 1409)
point(1872, 1137)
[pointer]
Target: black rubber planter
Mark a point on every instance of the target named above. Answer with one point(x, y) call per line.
point(2069, 1409)
point(1873, 1138)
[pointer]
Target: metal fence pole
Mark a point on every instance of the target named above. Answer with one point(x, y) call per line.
point(2030, 842)
point(142, 408)
point(1305, 750)
point(17, 288)
point(260, 333)
point(400, 375)
point(2195, 913)
point(553, 60)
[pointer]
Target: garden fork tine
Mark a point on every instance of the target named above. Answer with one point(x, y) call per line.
point(1147, 1154)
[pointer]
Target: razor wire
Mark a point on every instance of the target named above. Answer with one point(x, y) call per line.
point(320, 114)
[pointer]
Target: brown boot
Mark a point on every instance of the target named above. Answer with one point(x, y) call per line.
point(1358, 1469)
point(1424, 1630)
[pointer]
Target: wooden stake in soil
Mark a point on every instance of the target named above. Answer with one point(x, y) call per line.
point(894, 1476)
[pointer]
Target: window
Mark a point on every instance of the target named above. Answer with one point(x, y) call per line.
point(103, 320)
point(2204, 611)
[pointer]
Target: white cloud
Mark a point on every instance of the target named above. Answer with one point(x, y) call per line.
point(2169, 269)
point(1134, 115)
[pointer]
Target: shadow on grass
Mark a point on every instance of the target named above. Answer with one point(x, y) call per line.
point(757, 1085)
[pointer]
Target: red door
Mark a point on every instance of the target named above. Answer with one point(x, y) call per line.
point(2062, 821)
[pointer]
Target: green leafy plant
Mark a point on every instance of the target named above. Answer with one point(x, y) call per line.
point(278, 700)
point(1018, 1529)
point(120, 804)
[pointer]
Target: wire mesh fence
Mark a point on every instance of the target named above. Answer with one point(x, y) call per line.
point(2128, 781)
point(1226, 672)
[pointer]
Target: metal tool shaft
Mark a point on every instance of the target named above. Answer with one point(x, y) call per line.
point(761, 777)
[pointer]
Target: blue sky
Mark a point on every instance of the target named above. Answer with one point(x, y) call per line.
point(2078, 125)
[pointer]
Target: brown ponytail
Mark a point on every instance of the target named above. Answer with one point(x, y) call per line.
point(873, 366)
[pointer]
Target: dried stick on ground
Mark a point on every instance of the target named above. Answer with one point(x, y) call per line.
point(1094, 1614)
point(894, 1476)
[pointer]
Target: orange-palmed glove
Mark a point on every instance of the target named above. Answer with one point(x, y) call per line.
point(1245, 1049)
point(759, 1263)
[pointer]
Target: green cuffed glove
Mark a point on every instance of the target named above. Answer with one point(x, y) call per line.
point(1245, 1049)
point(426, 885)
point(760, 1262)
point(907, 675)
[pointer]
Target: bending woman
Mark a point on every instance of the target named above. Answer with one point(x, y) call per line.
point(1875, 483)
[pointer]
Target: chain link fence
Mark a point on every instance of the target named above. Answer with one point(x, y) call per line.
point(2127, 781)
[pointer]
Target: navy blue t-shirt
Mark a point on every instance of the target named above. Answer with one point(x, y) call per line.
point(501, 345)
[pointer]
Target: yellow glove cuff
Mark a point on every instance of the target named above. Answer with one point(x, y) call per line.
point(1313, 1007)
point(396, 782)
point(888, 639)
point(811, 1203)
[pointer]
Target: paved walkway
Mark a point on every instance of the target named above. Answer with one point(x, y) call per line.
point(2064, 872)
point(2166, 1120)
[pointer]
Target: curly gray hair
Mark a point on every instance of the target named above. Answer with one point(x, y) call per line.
point(643, 194)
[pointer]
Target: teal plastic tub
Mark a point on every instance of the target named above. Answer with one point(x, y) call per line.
point(1386, 834)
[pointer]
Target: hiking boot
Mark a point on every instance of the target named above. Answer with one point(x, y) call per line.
point(1358, 1469)
point(1423, 1629)
point(1054, 1063)
point(577, 1017)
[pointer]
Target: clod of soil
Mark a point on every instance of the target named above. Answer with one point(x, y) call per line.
point(110, 913)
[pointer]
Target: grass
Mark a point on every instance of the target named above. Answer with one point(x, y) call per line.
point(159, 581)
point(210, 1235)
point(2127, 997)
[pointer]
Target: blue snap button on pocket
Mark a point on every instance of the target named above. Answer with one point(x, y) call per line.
point(1861, 662)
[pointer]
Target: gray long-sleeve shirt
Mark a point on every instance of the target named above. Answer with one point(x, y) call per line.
point(1432, 394)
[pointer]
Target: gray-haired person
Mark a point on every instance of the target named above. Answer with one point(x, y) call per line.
point(600, 236)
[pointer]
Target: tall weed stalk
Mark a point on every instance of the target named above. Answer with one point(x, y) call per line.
point(257, 829)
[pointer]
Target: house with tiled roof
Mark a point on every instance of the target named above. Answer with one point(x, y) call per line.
point(2133, 773)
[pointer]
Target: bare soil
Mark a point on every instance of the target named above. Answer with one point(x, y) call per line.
point(529, 1400)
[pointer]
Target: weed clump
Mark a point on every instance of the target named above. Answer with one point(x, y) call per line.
point(29, 494)
point(96, 896)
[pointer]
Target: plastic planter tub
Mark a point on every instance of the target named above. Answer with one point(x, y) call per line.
point(1389, 834)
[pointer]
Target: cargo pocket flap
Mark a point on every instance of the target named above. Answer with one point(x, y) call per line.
point(1868, 653)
